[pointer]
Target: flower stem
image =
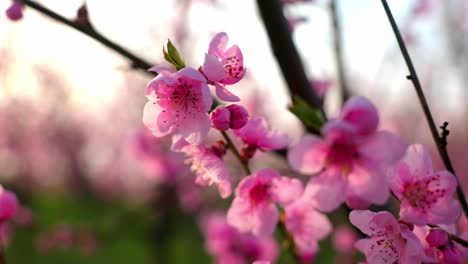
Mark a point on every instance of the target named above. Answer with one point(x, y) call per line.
point(244, 162)
point(427, 112)
point(137, 62)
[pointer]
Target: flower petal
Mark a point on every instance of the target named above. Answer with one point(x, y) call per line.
point(196, 129)
point(308, 155)
point(326, 192)
point(225, 95)
point(212, 68)
point(383, 147)
point(361, 113)
point(284, 190)
point(218, 44)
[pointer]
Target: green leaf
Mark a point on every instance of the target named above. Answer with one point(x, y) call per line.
point(310, 117)
point(173, 56)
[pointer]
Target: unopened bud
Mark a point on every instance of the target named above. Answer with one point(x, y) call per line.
point(239, 116)
point(220, 118)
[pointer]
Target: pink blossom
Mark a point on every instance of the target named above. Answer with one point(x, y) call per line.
point(223, 66)
point(239, 116)
point(254, 210)
point(255, 135)
point(389, 241)
point(8, 205)
point(220, 118)
point(207, 165)
point(178, 103)
point(343, 239)
point(229, 246)
point(307, 227)
point(351, 157)
point(15, 11)
point(427, 197)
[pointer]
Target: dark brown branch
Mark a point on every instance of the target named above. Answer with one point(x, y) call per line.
point(337, 42)
point(136, 61)
point(427, 112)
point(285, 51)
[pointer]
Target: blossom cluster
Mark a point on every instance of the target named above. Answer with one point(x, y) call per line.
point(350, 162)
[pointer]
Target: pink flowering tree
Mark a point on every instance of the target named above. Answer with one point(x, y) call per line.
point(342, 165)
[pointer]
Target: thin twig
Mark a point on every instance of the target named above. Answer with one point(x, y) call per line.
point(234, 150)
point(285, 51)
point(427, 112)
point(137, 62)
point(339, 59)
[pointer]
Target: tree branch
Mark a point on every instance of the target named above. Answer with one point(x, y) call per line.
point(286, 53)
point(337, 44)
point(137, 62)
point(427, 112)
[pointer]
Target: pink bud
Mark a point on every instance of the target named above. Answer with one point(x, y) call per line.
point(220, 118)
point(8, 205)
point(239, 116)
point(15, 11)
point(343, 239)
point(450, 255)
point(437, 238)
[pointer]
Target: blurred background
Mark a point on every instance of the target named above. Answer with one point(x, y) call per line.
point(96, 187)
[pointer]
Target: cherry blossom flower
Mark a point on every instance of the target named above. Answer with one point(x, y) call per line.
point(178, 103)
point(229, 246)
point(307, 227)
point(254, 210)
point(9, 205)
point(389, 241)
point(223, 66)
point(427, 197)
point(207, 165)
point(343, 239)
point(255, 135)
point(351, 157)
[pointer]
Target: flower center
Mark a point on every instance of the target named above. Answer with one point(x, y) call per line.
point(259, 193)
point(422, 194)
point(232, 67)
point(342, 155)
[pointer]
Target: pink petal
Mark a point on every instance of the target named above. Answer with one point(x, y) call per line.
point(413, 249)
point(195, 130)
point(212, 68)
point(326, 192)
point(308, 155)
point(190, 73)
point(179, 143)
point(361, 113)
point(419, 160)
point(273, 141)
point(162, 70)
point(383, 148)
point(218, 44)
point(151, 114)
point(284, 190)
point(368, 183)
point(258, 220)
point(225, 95)
point(398, 178)
point(370, 223)
point(232, 62)
point(253, 130)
